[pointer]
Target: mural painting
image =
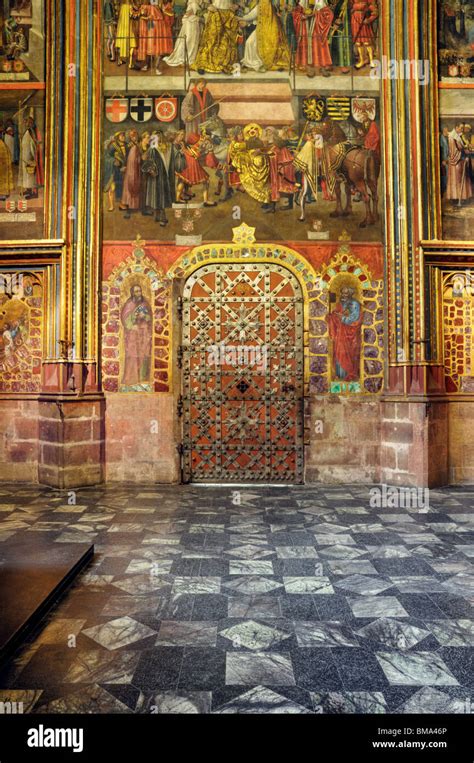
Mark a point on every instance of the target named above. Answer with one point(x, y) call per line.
point(344, 322)
point(201, 173)
point(21, 327)
point(456, 39)
point(227, 119)
point(458, 320)
point(327, 37)
point(135, 321)
point(456, 142)
point(346, 328)
point(22, 121)
point(137, 331)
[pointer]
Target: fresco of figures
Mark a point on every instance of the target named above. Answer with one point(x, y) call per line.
point(202, 175)
point(21, 327)
point(456, 39)
point(456, 143)
point(241, 37)
point(21, 172)
point(21, 41)
point(21, 119)
point(345, 330)
point(457, 176)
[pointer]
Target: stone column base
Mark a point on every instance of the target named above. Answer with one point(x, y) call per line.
point(414, 447)
point(71, 441)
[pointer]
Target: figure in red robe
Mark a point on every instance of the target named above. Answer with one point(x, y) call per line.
point(312, 33)
point(364, 15)
point(155, 36)
point(345, 323)
point(372, 138)
point(282, 173)
point(193, 173)
point(136, 320)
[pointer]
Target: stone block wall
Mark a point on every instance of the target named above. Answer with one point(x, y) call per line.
point(141, 441)
point(461, 442)
point(19, 447)
point(71, 442)
point(344, 439)
point(414, 447)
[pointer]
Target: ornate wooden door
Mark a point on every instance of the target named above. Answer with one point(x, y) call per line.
point(243, 374)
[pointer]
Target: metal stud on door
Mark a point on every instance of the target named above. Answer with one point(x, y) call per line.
point(243, 374)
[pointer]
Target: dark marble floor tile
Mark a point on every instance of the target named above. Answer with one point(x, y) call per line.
point(315, 670)
point(460, 661)
point(185, 567)
point(297, 567)
point(158, 668)
point(214, 567)
point(298, 607)
point(453, 606)
point(202, 669)
point(420, 605)
point(359, 669)
point(210, 607)
point(402, 567)
point(333, 607)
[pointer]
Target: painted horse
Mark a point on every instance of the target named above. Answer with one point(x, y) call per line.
point(357, 168)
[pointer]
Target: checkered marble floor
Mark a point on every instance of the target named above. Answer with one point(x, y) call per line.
point(274, 600)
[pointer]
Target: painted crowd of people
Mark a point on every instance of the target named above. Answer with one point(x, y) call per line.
point(21, 158)
point(228, 36)
point(149, 171)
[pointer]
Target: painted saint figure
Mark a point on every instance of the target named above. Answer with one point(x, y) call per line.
point(345, 323)
point(136, 320)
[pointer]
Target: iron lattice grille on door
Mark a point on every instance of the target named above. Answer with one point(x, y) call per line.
point(243, 375)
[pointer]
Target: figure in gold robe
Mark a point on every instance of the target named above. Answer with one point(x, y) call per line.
point(266, 48)
point(218, 46)
point(251, 161)
point(6, 172)
point(126, 39)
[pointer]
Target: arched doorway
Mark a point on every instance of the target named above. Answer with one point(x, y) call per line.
point(243, 374)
